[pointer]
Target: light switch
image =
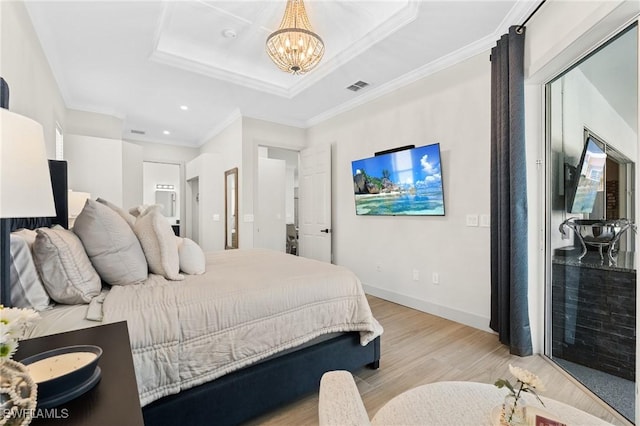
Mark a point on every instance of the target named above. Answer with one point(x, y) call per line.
point(472, 220)
point(248, 218)
point(485, 220)
point(216, 218)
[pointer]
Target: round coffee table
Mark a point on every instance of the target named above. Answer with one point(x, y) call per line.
point(466, 403)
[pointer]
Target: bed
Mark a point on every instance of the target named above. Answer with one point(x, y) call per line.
point(254, 332)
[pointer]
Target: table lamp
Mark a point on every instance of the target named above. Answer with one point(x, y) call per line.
point(77, 201)
point(25, 183)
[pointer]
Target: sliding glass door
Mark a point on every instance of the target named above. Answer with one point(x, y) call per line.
point(592, 150)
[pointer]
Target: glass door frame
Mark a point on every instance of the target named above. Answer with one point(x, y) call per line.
point(545, 179)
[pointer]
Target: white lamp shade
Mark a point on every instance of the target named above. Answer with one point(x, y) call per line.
point(77, 200)
point(25, 183)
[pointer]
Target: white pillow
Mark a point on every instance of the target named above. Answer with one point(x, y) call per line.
point(27, 290)
point(158, 243)
point(139, 211)
point(192, 260)
point(29, 235)
point(64, 267)
point(112, 246)
point(130, 219)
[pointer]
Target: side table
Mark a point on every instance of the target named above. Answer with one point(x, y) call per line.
point(114, 400)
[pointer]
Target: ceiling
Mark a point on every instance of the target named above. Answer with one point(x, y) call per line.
point(142, 60)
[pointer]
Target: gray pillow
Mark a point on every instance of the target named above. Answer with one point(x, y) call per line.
point(27, 290)
point(130, 219)
point(64, 267)
point(112, 246)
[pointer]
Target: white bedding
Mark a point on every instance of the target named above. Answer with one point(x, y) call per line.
point(249, 304)
point(59, 319)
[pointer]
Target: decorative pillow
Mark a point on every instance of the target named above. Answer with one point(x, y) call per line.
point(27, 290)
point(112, 246)
point(130, 219)
point(64, 267)
point(191, 256)
point(142, 209)
point(29, 235)
point(158, 243)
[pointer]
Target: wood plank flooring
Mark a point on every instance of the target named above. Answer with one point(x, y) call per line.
point(419, 348)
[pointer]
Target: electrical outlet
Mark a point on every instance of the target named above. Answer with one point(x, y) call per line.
point(416, 275)
point(435, 278)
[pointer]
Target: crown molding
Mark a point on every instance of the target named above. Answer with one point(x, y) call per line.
point(400, 19)
point(518, 13)
point(220, 127)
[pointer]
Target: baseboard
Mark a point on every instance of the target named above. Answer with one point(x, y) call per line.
point(475, 321)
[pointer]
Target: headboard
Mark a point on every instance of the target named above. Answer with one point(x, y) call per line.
point(58, 172)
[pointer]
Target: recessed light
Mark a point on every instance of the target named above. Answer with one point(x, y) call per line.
point(184, 107)
point(166, 132)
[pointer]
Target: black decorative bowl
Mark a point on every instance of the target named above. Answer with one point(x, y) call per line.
point(64, 373)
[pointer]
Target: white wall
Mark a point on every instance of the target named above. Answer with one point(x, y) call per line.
point(93, 124)
point(208, 171)
point(131, 175)
point(32, 85)
point(95, 166)
point(452, 108)
point(165, 153)
point(227, 146)
point(271, 228)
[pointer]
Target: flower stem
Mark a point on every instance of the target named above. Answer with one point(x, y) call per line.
point(515, 402)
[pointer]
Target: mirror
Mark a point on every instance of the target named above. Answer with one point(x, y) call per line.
point(168, 201)
point(231, 208)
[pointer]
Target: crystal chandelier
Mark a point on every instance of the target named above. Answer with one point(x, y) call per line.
point(294, 47)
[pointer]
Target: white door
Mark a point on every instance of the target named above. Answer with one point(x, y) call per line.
point(271, 228)
point(315, 203)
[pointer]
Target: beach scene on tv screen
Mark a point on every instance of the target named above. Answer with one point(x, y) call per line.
point(406, 182)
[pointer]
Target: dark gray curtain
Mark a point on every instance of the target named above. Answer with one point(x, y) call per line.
point(509, 272)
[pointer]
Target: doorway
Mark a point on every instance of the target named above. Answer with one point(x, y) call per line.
point(277, 222)
point(592, 147)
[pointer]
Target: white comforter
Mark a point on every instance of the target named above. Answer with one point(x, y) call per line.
point(250, 304)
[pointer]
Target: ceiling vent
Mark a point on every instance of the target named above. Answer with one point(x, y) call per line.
point(138, 132)
point(358, 85)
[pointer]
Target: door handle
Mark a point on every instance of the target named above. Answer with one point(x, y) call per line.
point(326, 230)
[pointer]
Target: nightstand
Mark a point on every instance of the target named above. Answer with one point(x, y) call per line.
point(114, 400)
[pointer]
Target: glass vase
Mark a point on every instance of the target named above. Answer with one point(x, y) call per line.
point(514, 410)
point(18, 394)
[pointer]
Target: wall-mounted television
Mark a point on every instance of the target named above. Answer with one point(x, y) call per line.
point(406, 182)
point(588, 178)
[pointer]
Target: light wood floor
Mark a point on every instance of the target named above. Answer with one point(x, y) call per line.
point(418, 348)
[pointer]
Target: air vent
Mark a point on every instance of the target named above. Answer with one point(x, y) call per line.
point(138, 132)
point(358, 85)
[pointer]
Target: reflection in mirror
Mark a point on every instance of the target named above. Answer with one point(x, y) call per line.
point(231, 208)
point(168, 201)
point(592, 147)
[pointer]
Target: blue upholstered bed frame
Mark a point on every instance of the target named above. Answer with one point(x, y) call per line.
point(247, 393)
